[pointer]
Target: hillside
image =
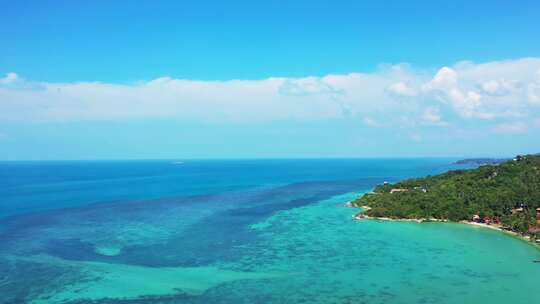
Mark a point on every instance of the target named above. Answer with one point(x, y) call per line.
point(495, 191)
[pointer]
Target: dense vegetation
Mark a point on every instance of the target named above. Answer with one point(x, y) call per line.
point(490, 190)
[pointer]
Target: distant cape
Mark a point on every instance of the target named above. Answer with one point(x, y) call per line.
point(481, 161)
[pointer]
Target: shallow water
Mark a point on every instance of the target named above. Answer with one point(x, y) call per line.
point(239, 232)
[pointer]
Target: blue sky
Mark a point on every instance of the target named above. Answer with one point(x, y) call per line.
point(226, 79)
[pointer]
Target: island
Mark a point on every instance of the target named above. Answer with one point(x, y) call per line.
point(504, 196)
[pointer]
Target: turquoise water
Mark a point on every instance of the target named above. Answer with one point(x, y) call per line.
point(239, 232)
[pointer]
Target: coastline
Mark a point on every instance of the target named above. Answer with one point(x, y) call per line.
point(500, 229)
point(360, 216)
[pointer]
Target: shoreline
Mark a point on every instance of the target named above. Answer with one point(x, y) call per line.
point(360, 216)
point(500, 229)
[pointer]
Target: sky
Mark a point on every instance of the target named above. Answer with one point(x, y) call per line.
point(268, 79)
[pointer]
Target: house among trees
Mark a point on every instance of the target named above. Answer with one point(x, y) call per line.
point(398, 190)
point(420, 188)
point(519, 208)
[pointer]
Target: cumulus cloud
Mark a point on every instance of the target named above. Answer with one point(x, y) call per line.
point(500, 87)
point(445, 87)
point(491, 87)
point(394, 95)
point(400, 88)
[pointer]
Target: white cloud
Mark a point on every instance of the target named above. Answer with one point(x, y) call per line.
point(445, 87)
point(500, 87)
point(511, 128)
point(432, 116)
point(307, 86)
point(533, 90)
point(498, 91)
point(491, 87)
point(445, 79)
point(9, 78)
point(400, 88)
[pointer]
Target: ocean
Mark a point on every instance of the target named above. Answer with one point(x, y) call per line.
point(240, 231)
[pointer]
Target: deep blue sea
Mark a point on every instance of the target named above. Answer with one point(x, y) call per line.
point(239, 231)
